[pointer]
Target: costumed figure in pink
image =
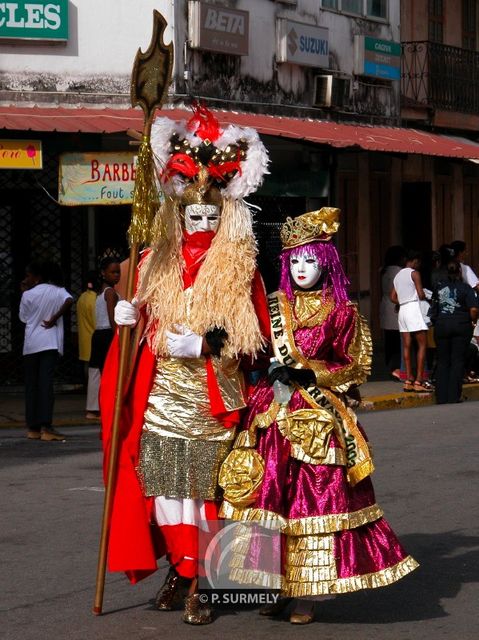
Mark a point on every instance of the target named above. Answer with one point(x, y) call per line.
point(303, 464)
point(200, 309)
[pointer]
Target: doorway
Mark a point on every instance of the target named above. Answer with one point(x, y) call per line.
point(416, 223)
point(416, 216)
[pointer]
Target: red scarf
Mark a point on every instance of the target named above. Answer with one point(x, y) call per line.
point(195, 248)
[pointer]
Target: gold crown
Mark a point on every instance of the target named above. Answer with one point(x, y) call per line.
point(313, 226)
point(201, 191)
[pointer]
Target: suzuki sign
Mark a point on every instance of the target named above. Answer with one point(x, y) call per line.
point(303, 44)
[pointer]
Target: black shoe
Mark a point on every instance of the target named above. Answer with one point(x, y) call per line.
point(275, 608)
point(195, 611)
point(172, 594)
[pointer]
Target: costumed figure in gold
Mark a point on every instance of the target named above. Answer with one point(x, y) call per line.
point(303, 463)
point(200, 308)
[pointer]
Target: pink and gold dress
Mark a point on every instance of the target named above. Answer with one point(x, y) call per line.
point(304, 467)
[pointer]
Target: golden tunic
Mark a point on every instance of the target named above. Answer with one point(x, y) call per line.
point(183, 445)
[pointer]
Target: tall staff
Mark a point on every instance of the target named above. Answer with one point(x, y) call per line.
point(150, 79)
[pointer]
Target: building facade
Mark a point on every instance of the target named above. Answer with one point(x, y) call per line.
point(440, 92)
point(322, 80)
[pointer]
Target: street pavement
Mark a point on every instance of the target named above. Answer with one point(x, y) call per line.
point(377, 395)
point(425, 480)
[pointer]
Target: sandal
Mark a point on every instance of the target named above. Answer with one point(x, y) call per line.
point(303, 613)
point(396, 374)
point(408, 385)
point(274, 608)
point(423, 386)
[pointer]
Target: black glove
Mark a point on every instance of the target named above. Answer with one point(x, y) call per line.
point(304, 377)
point(216, 339)
point(281, 374)
point(286, 375)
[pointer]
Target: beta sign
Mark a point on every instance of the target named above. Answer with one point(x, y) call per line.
point(96, 178)
point(35, 20)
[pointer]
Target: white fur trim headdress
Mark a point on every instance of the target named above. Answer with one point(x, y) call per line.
point(235, 157)
point(198, 161)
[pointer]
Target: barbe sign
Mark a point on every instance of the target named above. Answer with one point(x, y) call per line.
point(302, 44)
point(35, 20)
point(218, 28)
point(96, 178)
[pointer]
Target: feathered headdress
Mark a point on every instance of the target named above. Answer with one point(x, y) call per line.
point(235, 157)
point(197, 161)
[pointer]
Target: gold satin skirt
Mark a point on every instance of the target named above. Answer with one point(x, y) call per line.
point(183, 446)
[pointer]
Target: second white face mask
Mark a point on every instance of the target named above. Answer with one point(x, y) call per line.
point(305, 271)
point(201, 217)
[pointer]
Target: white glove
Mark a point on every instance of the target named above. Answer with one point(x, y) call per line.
point(126, 313)
point(184, 344)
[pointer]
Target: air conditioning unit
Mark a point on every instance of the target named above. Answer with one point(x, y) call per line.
point(331, 91)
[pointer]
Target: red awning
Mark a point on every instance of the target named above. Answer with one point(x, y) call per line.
point(371, 138)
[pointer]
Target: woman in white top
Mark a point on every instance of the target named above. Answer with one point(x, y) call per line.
point(388, 317)
point(42, 307)
point(104, 329)
point(407, 292)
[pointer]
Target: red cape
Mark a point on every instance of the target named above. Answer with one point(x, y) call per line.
point(134, 542)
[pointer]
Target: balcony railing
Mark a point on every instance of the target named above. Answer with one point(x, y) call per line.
point(439, 76)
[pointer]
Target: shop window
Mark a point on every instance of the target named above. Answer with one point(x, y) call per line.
point(436, 21)
point(469, 20)
point(352, 6)
point(369, 8)
point(377, 9)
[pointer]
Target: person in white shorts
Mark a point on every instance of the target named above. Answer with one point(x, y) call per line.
point(407, 292)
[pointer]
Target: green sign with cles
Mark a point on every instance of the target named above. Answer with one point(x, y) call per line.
point(34, 20)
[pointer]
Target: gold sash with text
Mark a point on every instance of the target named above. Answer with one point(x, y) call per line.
point(359, 459)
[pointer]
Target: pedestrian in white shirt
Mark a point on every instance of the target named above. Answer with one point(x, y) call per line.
point(388, 318)
point(42, 307)
point(468, 275)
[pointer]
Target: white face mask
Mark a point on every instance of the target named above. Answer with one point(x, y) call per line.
point(305, 271)
point(202, 217)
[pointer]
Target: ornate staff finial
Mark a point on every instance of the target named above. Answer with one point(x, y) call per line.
point(151, 77)
point(149, 87)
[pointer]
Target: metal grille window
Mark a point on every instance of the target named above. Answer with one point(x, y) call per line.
point(6, 279)
point(436, 20)
point(469, 21)
point(33, 227)
point(441, 76)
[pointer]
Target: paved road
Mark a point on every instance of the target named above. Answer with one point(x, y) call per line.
point(426, 481)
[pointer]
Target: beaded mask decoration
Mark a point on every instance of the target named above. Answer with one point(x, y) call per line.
point(234, 158)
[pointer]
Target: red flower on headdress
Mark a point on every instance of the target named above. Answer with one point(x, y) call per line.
point(219, 171)
point(203, 123)
point(180, 163)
